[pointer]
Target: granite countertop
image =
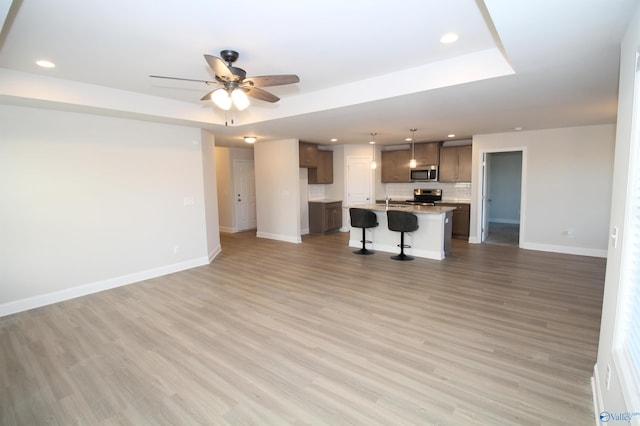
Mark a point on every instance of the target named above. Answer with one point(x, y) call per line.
point(448, 200)
point(324, 200)
point(456, 200)
point(406, 208)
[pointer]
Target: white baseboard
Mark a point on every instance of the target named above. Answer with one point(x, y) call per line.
point(228, 230)
point(580, 251)
point(279, 237)
point(95, 287)
point(213, 253)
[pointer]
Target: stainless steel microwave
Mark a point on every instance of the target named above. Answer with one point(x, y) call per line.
point(424, 173)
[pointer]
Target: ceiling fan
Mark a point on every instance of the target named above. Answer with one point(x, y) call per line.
point(233, 85)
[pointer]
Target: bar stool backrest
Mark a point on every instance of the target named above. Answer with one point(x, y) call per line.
point(400, 221)
point(362, 218)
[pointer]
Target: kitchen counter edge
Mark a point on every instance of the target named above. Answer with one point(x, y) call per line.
point(405, 208)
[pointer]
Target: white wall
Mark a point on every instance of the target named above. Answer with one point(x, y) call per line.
point(563, 169)
point(278, 190)
point(304, 190)
point(92, 202)
point(612, 399)
point(335, 191)
point(224, 181)
point(210, 193)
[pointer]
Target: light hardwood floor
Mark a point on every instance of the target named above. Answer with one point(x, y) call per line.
point(274, 333)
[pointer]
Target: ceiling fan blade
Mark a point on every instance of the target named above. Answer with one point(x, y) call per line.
point(207, 97)
point(263, 95)
point(219, 67)
point(186, 79)
point(272, 80)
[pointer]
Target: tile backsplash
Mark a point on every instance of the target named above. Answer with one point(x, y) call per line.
point(316, 192)
point(450, 191)
point(404, 191)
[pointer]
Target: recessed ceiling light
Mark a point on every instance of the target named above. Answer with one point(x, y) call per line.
point(451, 135)
point(408, 139)
point(45, 64)
point(334, 140)
point(517, 129)
point(449, 38)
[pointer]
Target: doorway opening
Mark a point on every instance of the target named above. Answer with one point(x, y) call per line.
point(502, 197)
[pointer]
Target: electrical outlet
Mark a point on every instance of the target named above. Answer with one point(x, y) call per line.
point(608, 380)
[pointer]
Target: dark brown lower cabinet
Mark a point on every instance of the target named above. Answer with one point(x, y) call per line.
point(461, 217)
point(325, 216)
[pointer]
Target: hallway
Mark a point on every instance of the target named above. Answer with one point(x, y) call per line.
point(503, 234)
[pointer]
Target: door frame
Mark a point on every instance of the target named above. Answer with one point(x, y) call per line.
point(482, 229)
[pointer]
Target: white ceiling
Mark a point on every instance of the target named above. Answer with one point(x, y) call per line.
point(365, 66)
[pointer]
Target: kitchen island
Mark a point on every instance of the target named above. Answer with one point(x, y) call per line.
point(431, 240)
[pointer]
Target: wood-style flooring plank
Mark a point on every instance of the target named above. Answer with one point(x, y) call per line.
point(279, 333)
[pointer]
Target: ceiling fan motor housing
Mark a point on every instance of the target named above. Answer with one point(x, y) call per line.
point(229, 56)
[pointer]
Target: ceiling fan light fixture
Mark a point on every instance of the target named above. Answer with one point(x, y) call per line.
point(221, 98)
point(240, 99)
point(235, 87)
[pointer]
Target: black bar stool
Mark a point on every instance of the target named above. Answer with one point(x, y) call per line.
point(363, 218)
point(402, 222)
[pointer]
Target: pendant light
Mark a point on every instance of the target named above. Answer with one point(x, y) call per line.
point(413, 163)
point(374, 165)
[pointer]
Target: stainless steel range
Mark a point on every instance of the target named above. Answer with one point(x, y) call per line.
point(425, 197)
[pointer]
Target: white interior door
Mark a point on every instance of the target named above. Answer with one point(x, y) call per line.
point(358, 180)
point(245, 194)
